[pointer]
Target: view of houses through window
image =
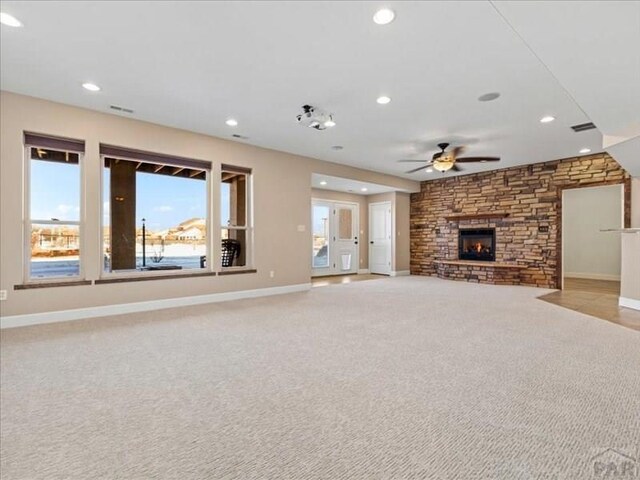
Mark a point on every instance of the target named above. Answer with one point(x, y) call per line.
point(234, 204)
point(154, 213)
point(54, 220)
point(154, 216)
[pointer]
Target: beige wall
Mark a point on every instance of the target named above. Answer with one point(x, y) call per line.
point(282, 195)
point(635, 202)
point(630, 278)
point(361, 200)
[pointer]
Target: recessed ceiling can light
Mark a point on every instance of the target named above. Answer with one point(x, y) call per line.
point(585, 150)
point(92, 87)
point(384, 16)
point(383, 100)
point(231, 122)
point(547, 119)
point(488, 97)
point(9, 20)
point(323, 182)
point(364, 189)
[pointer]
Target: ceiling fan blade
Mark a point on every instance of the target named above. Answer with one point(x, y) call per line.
point(457, 151)
point(407, 160)
point(417, 169)
point(477, 159)
point(456, 168)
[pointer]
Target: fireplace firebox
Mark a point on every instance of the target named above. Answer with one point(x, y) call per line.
point(477, 244)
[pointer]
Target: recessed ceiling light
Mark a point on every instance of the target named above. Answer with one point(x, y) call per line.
point(384, 16)
point(231, 122)
point(329, 123)
point(429, 170)
point(547, 119)
point(585, 150)
point(364, 189)
point(487, 97)
point(92, 87)
point(323, 182)
point(383, 100)
point(9, 20)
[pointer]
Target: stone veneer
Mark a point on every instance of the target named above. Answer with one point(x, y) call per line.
point(530, 194)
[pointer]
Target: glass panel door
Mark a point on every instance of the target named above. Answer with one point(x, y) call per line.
point(321, 218)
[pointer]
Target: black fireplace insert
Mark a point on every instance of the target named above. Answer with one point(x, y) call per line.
point(477, 244)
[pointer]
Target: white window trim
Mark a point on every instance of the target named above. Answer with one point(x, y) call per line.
point(27, 222)
point(150, 273)
point(248, 228)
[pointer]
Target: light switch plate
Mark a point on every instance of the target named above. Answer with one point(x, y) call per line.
point(3, 295)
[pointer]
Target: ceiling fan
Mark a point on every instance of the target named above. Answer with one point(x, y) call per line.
point(444, 161)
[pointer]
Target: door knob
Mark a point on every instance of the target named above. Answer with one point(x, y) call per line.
point(355, 243)
point(371, 242)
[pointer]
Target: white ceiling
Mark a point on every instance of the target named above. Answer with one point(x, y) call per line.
point(192, 65)
point(348, 185)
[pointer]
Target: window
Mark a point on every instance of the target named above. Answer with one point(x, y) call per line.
point(154, 211)
point(54, 209)
point(235, 217)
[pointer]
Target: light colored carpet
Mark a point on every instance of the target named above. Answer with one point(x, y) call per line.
point(402, 378)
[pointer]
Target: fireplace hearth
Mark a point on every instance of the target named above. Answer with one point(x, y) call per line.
point(477, 244)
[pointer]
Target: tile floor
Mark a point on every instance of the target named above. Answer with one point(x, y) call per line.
point(598, 298)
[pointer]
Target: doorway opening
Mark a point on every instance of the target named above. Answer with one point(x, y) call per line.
point(591, 256)
point(335, 228)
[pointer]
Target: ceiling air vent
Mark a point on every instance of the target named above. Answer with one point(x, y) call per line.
point(120, 109)
point(241, 137)
point(583, 127)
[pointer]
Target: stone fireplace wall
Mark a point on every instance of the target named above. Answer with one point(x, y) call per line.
point(531, 195)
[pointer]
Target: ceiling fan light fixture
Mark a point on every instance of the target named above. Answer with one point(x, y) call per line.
point(429, 170)
point(443, 166)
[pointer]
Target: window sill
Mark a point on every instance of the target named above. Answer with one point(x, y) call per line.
point(142, 278)
point(237, 272)
point(63, 283)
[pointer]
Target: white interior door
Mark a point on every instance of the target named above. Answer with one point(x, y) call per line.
point(335, 238)
point(380, 238)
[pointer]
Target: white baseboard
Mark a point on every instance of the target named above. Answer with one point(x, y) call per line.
point(629, 303)
point(400, 273)
point(593, 276)
point(119, 309)
point(363, 271)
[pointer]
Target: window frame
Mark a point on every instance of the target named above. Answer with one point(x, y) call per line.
point(28, 222)
point(248, 228)
point(105, 275)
